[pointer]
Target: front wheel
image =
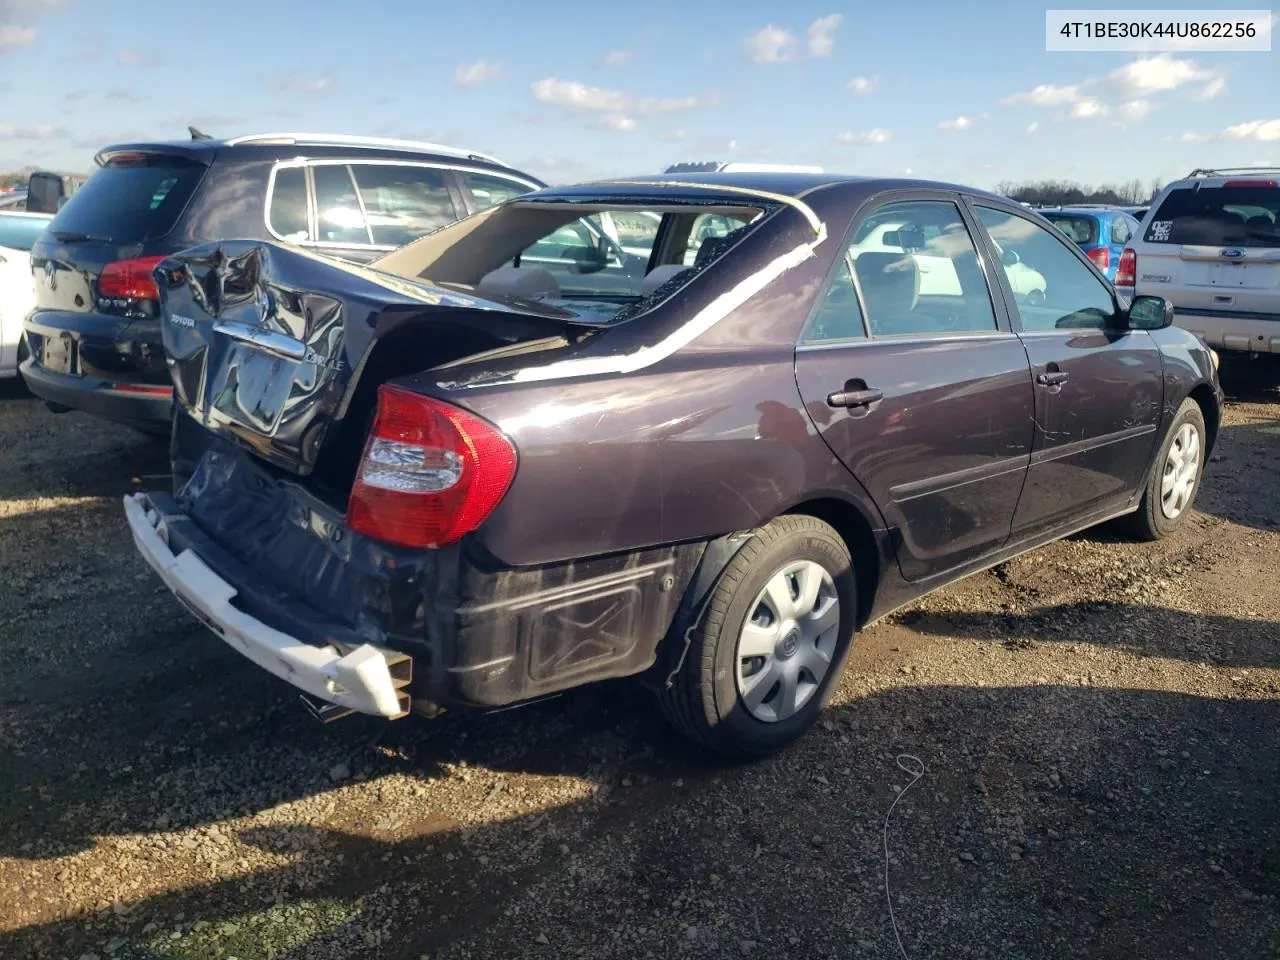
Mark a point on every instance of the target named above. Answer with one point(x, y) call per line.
point(771, 643)
point(1174, 478)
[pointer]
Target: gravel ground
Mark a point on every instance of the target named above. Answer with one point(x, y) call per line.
point(1097, 724)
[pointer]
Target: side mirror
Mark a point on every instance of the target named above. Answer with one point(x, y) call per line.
point(1150, 313)
point(1010, 258)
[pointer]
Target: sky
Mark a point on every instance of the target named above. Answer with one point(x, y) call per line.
point(931, 89)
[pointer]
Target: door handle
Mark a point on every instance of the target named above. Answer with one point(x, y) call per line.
point(854, 398)
point(1052, 378)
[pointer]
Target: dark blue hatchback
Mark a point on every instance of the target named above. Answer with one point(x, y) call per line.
point(1101, 232)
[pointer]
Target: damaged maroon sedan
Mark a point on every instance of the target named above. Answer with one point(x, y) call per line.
point(696, 429)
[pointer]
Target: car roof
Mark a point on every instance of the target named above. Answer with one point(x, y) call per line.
point(312, 145)
point(26, 213)
point(795, 185)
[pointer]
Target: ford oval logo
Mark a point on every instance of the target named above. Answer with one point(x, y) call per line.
point(1231, 253)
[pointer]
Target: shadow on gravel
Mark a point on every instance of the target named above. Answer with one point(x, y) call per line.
point(1240, 484)
point(1051, 822)
point(1143, 631)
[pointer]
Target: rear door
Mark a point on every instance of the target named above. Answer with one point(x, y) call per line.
point(1099, 390)
point(1214, 248)
point(925, 396)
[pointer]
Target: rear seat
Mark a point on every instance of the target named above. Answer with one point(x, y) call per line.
point(519, 282)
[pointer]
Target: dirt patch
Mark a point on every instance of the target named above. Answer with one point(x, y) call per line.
point(1097, 721)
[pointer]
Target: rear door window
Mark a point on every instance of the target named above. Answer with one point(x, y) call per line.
point(339, 218)
point(1240, 216)
point(403, 203)
point(132, 199)
point(1120, 230)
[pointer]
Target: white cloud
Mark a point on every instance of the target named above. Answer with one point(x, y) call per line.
point(1135, 110)
point(771, 44)
point(873, 137)
point(34, 7)
point(820, 34)
point(1033, 126)
point(1046, 95)
point(1254, 130)
point(616, 58)
point(617, 122)
point(863, 86)
point(299, 84)
point(123, 95)
point(1192, 137)
point(674, 134)
point(583, 98)
point(959, 123)
point(1088, 109)
point(1156, 74)
point(39, 131)
point(476, 74)
point(1211, 89)
point(12, 37)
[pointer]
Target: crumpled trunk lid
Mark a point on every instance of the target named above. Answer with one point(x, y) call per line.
point(266, 343)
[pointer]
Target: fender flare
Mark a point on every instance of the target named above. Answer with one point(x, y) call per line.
point(674, 646)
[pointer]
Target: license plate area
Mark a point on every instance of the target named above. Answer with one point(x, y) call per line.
point(59, 354)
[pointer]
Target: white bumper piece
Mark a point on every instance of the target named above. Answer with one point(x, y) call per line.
point(360, 680)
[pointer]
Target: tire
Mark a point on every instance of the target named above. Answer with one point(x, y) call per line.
point(1153, 521)
point(705, 702)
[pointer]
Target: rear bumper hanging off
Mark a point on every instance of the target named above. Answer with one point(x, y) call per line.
point(366, 679)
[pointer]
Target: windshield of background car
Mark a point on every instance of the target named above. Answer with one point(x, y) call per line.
point(1079, 229)
point(1241, 216)
point(21, 233)
point(132, 199)
point(592, 258)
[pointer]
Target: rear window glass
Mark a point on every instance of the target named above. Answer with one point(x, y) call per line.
point(403, 203)
point(20, 233)
point(133, 202)
point(1078, 229)
point(1215, 216)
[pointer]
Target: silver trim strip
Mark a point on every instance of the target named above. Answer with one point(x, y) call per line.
point(349, 140)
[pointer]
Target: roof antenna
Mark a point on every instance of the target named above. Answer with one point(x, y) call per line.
point(198, 134)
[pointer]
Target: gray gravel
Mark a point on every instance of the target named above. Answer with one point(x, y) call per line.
point(1098, 723)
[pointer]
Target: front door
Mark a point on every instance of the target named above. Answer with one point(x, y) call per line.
point(1099, 389)
point(928, 401)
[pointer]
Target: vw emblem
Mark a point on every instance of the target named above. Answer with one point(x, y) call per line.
point(1231, 253)
point(50, 275)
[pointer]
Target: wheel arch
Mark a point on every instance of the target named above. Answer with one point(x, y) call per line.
point(1205, 397)
point(859, 536)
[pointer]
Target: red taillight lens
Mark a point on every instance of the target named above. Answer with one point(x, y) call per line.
point(1127, 270)
point(1101, 256)
point(431, 472)
point(130, 278)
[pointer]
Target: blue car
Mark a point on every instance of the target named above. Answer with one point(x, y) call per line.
point(1100, 231)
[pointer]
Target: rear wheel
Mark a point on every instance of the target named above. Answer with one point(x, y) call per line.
point(771, 644)
point(1174, 478)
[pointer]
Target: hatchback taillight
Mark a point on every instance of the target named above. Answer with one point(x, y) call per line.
point(431, 472)
point(1127, 270)
point(1101, 257)
point(130, 279)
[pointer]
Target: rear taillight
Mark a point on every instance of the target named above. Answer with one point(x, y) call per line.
point(130, 279)
point(431, 472)
point(1101, 257)
point(1127, 270)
